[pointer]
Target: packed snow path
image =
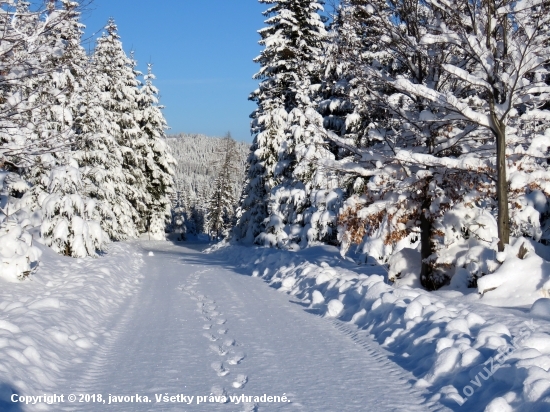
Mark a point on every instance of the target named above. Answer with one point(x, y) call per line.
point(199, 328)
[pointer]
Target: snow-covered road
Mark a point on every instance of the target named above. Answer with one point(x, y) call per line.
point(196, 327)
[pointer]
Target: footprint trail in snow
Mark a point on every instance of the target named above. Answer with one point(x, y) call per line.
point(197, 327)
point(212, 314)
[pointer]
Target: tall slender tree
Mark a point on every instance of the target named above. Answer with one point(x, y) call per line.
point(220, 206)
point(292, 40)
point(157, 162)
point(116, 77)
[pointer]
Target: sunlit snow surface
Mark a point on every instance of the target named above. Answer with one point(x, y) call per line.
point(179, 321)
point(465, 354)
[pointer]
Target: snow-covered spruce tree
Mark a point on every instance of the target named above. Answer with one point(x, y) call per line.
point(347, 108)
point(99, 156)
point(57, 192)
point(27, 52)
point(292, 42)
point(100, 159)
point(179, 206)
point(200, 209)
point(69, 227)
point(220, 211)
point(116, 77)
point(157, 161)
point(304, 207)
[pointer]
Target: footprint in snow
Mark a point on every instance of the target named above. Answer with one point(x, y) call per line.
point(214, 314)
point(211, 307)
point(249, 407)
point(236, 358)
point(219, 369)
point(219, 391)
point(221, 321)
point(229, 342)
point(206, 318)
point(207, 326)
point(240, 381)
point(210, 337)
point(222, 331)
point(218, 349)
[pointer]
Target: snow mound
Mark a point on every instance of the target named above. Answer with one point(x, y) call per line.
point(519, 281)
point(18, 257)
point(541, 308)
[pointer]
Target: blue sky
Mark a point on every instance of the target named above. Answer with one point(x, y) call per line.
point(202, 52)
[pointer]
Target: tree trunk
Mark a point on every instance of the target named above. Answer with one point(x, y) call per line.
point(503, 220)
point(426, 248)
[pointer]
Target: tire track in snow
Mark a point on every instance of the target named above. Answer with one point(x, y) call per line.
point(101, 359)
point(376, 352)
point(381, 373)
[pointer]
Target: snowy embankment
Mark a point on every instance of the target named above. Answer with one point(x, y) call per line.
point(53, 318)
point(465, 354)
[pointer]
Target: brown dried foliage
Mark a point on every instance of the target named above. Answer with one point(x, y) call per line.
point(355, 227)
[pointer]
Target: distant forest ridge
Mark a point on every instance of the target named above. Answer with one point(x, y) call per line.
point(196, 155)
point(199, 160)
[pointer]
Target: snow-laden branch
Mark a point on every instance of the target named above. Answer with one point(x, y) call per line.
point(468, 163)
point(521, 5)
point(467, 77)
point(448, 101)
point(346, 166)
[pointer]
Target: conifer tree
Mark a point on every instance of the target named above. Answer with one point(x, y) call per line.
point(99, 156)
point(68, 225)
point(157, 161)
point(58, 192)
point(118, 86)
point(220, 206)
point(179, 222)
point(292, 40)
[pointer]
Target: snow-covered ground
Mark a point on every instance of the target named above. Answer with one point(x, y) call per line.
point(51, 322)
point(465, 351)
point(155, 320)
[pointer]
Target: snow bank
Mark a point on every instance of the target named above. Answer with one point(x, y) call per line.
point(458, 356)
point(518, 281)
point(18, 257)
point(52, 320)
